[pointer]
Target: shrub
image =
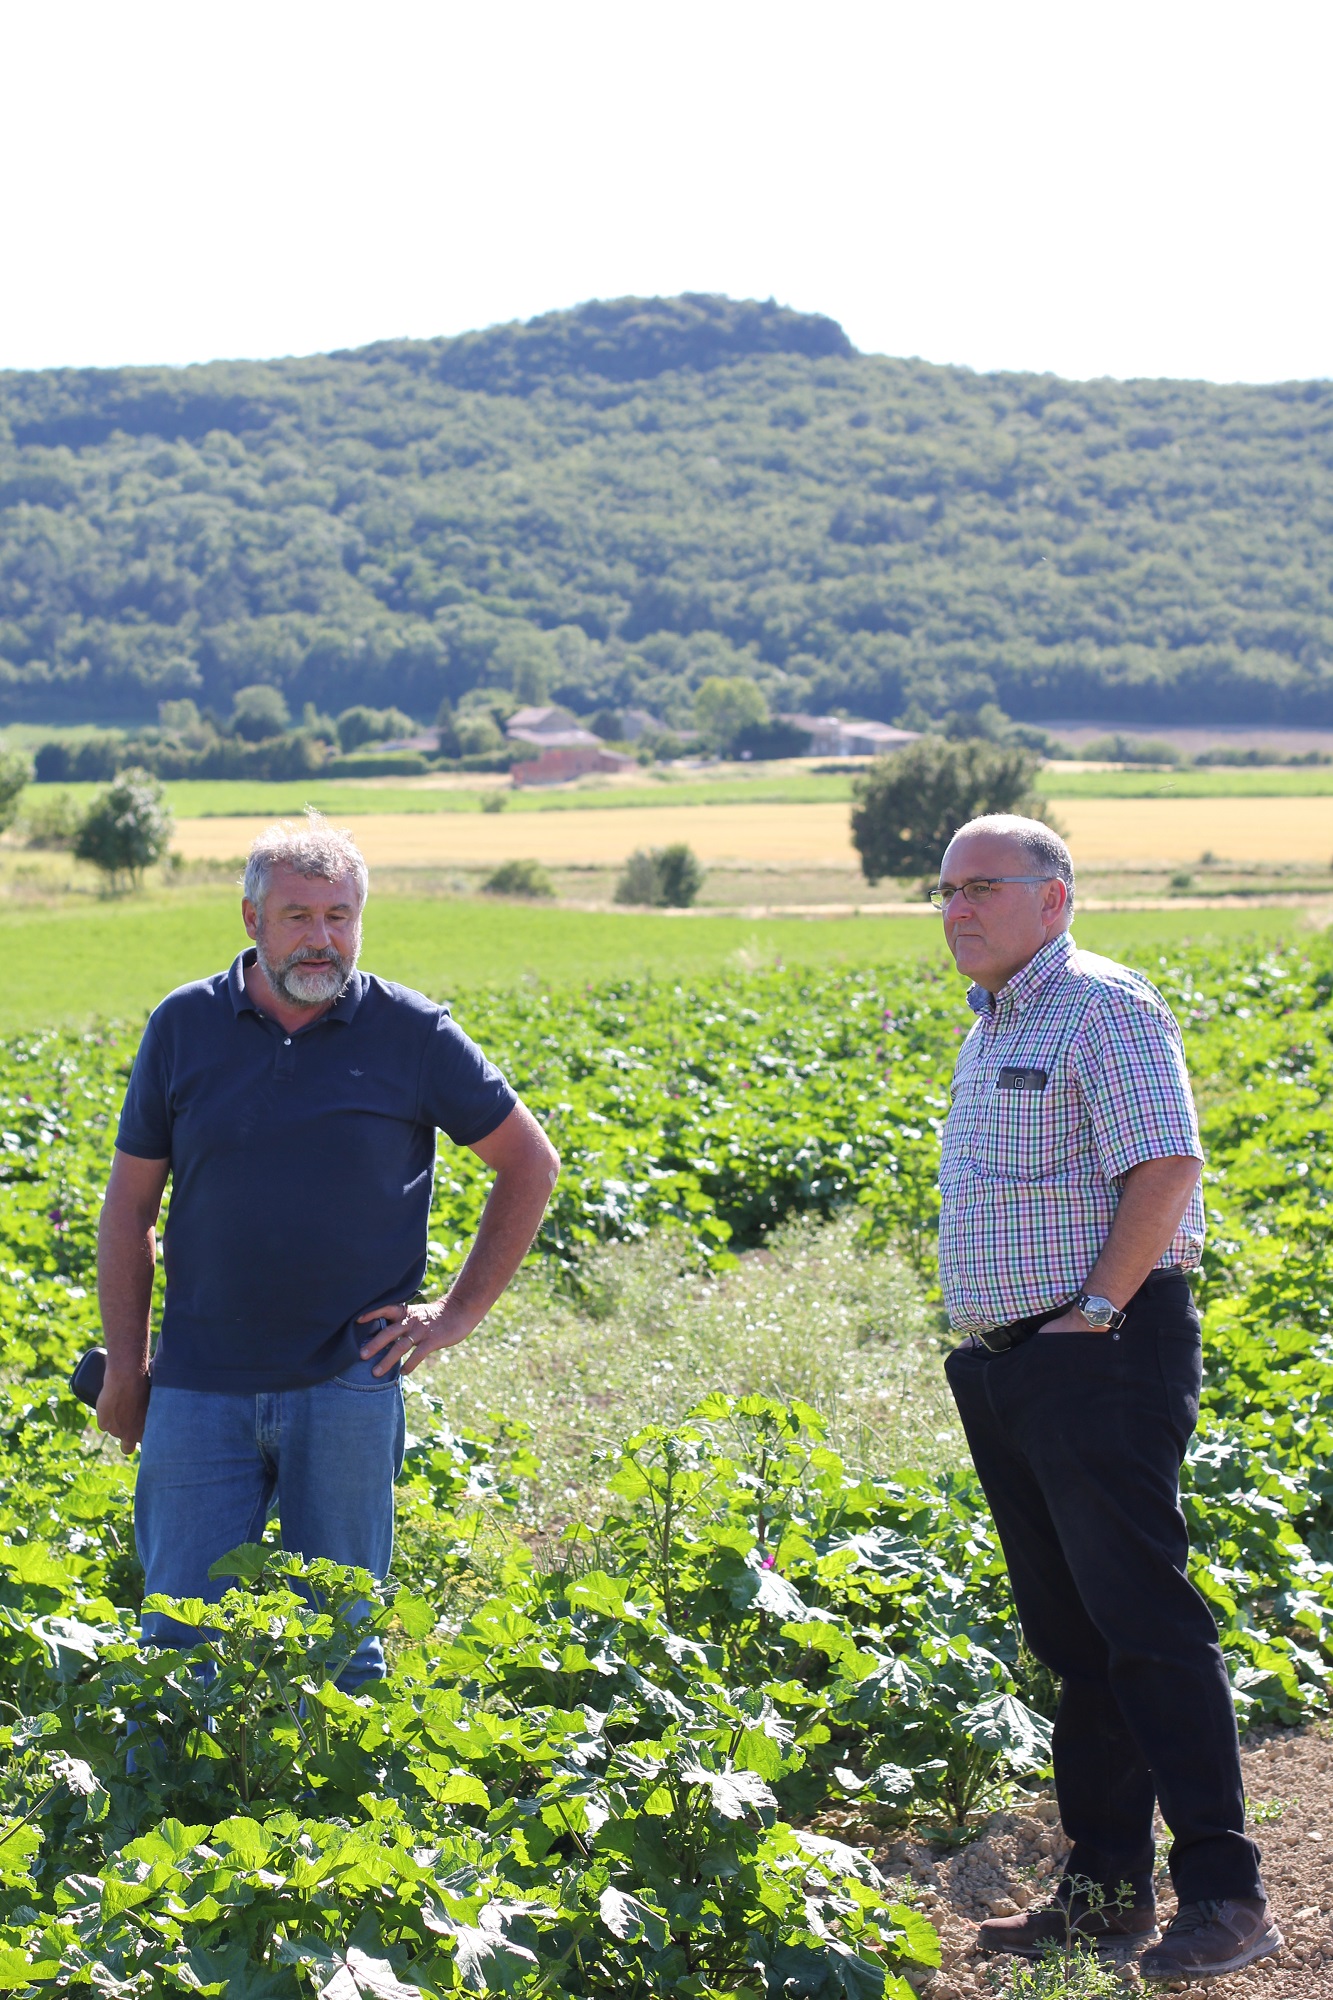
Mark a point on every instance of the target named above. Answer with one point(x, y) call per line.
point(258, 712)
point(51, 822)
point(360, 725)
point(126, 828)
point(1132, 750)
point(909, 805)
point(770, 739)
point(519, 878)
point(92, 760)
point(478, 736)
point(378, 764)
point(661, 877)
point(15, 773)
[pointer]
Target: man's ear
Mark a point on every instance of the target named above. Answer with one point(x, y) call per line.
point(1055, 900)
point(249, 917)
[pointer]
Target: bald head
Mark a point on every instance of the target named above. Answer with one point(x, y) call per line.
point(995, 937)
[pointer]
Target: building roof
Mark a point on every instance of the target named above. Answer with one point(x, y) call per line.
point(542, 720)
point(551, 739)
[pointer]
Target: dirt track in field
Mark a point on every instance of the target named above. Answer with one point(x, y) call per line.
point(1018, 1858)
point(1102, 833)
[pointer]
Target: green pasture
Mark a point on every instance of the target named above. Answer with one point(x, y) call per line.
point(1221, 781)
point(69, 963)
point(225, 798)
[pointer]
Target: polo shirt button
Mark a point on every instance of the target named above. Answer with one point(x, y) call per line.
point(286, 1041)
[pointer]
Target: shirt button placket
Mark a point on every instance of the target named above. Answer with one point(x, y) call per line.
point(285, 1065)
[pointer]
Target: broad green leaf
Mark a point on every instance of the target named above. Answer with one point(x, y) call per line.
point(921, 1940)
point(630, 1919)
point(1017, 1733)
point(243, 1841)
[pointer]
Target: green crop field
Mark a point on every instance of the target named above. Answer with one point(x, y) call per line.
point(80, 959)
point(624, 1688)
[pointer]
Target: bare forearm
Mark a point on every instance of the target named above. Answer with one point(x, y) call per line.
point(126, 1258)
point(509, 1222)
point(1152, 1201)
point(526, 1165)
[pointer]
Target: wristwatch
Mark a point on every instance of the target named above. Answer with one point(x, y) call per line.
point(1100, 1314)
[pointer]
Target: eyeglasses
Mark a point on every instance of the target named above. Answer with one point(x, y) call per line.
point(976, 892)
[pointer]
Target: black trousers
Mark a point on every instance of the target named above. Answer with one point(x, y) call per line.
point(1078, 1440)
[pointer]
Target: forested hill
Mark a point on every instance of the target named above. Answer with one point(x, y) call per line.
point(609, 504)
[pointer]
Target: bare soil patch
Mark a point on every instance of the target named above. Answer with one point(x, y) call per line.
point(1019, 1854)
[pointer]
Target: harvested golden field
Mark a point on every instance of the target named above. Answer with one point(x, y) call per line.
point(565, 839)
point(1103, 833)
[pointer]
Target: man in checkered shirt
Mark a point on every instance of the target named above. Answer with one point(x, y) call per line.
point(1070, 1213)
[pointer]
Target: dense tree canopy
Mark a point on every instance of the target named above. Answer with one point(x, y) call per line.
point(611, 506)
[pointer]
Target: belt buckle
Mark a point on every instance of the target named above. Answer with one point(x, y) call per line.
point(1000, 1346)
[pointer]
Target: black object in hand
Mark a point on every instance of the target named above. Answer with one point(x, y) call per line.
point(88, 1375)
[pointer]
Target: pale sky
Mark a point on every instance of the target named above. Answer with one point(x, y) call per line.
point(1137, 189)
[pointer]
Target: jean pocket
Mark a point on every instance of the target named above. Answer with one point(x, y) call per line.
point(359, 1375)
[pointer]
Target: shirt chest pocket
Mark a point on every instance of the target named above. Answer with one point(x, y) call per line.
point(1025, 1128)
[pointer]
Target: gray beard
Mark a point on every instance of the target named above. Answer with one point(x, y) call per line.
point(315, 988)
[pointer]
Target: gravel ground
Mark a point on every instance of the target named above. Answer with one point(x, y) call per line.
point(1289, 1782)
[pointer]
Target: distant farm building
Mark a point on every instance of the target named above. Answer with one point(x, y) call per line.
point(567, 759)
point(843, 736)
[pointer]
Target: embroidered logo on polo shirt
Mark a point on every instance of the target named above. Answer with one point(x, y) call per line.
point(356, 1072)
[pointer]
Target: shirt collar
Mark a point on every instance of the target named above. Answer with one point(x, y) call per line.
point(345, 1009)
point(1053, 959)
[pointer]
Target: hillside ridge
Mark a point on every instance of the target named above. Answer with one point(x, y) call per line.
point(607, 505)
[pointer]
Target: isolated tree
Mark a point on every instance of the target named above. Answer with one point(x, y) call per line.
point(15, 773)
point(909, 805)
point(371, 725)
point(258, 712)
point(724, 706)
point(126, 828)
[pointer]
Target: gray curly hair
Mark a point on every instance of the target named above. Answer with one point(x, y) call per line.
point(316, 849)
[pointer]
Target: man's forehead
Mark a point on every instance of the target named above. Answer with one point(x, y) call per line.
point(985, 854)
point(290, 886)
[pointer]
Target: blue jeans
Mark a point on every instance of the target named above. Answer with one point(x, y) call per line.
point(212, 1464)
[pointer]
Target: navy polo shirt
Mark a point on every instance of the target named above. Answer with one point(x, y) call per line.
point(301, 1169)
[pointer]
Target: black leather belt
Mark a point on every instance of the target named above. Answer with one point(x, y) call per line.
point(999, 1339)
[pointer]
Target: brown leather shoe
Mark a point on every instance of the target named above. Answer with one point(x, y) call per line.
point(1204, 1940)
point(1110, 1932)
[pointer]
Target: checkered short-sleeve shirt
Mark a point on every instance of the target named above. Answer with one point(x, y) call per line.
point(1072, 1074)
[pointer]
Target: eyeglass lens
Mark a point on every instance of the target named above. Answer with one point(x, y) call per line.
point(975, 892)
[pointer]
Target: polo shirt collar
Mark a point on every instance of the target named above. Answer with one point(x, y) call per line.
point(345, 1010)
point(1053, 959)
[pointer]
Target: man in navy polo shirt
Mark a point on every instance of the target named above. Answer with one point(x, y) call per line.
point(293, 1102)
